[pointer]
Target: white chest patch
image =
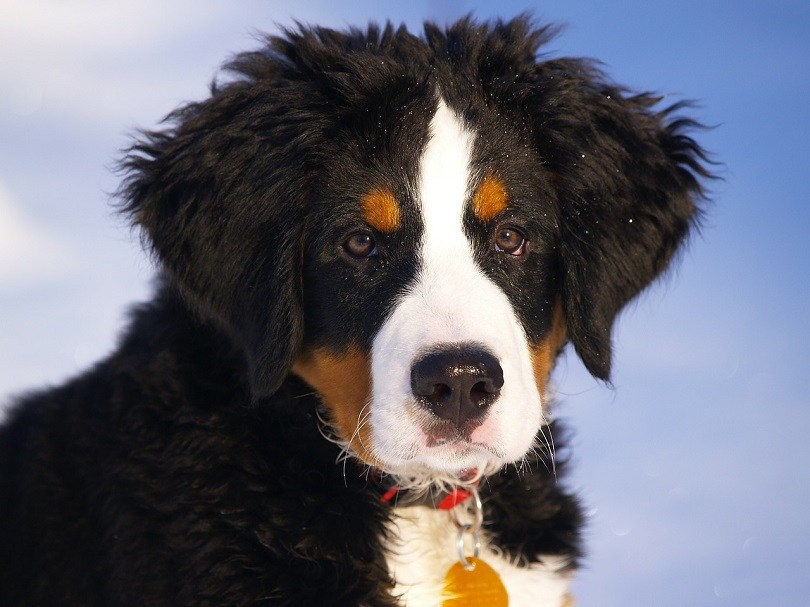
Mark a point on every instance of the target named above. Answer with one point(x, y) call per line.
point(423, 548)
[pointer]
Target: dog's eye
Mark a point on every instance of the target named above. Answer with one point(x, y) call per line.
point(360, 245)
point(511, 240)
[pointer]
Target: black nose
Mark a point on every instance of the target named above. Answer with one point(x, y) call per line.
point(457, 382)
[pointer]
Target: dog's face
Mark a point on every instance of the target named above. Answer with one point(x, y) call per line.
point(430, 294)
point(416, 227)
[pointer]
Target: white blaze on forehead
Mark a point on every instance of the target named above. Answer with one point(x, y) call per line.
point(450, 301)
point(444, 182)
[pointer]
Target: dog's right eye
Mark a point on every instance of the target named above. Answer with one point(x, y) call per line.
point(360, 245)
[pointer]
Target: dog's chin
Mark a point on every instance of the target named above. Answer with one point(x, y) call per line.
point(451, 461)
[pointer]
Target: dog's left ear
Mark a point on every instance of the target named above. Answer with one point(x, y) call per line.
point(628, 183)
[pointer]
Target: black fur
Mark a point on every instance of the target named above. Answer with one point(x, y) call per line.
point(188, 468)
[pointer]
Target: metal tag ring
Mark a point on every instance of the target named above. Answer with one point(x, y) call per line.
point(460, 546)
point(477, 511)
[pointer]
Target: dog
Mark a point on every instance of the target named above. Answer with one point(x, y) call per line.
point(372, 248)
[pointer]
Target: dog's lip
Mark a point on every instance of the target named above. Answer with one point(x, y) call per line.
point(459, 446)
point(444, 441)
point(445, 437)
point(441, 432)
point(453, 442)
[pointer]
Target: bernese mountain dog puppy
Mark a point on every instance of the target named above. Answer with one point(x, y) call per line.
point(372, 248)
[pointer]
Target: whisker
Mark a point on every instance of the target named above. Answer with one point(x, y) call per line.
point(548, 440)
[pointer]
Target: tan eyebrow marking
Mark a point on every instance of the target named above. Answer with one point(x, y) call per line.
point(490, 198)
point(381, 210)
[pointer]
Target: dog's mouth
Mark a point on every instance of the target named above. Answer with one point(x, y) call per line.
point(437, 449)
point(458, 442)
point(441, 431)
point(447, 441)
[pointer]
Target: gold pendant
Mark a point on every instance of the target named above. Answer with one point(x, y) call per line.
point(479, 587)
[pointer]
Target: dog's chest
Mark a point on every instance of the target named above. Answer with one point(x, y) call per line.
point(422, 547)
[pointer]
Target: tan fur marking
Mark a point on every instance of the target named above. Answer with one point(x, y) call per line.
point(344, 383)
point(490, 199)
point(545, 353)
point(381, 210)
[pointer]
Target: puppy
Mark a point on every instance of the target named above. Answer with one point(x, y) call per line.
point(372, 247)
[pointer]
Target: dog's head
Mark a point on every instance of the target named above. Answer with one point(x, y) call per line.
point(416, 226)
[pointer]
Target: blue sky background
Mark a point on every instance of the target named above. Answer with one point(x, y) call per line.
point(695, 467)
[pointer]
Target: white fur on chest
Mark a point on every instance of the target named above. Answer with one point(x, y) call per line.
point(422, 547)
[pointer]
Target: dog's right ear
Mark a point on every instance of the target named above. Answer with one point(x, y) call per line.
point(220, 198)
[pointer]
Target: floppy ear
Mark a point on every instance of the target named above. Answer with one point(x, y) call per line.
point(220, 198)
point(627, 178)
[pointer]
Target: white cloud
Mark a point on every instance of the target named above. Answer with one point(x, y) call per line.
point(87, 57)
point(29, 253)
point(136, 60)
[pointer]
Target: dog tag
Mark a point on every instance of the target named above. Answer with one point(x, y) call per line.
point(481, 587)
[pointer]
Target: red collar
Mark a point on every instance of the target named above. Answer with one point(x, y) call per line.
point(432, 497)
point(440, 500)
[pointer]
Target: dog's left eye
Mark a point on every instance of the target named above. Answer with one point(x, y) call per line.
point(510, 240)
point(360, 245)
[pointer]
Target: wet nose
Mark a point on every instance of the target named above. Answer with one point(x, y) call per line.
point(457, 382)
